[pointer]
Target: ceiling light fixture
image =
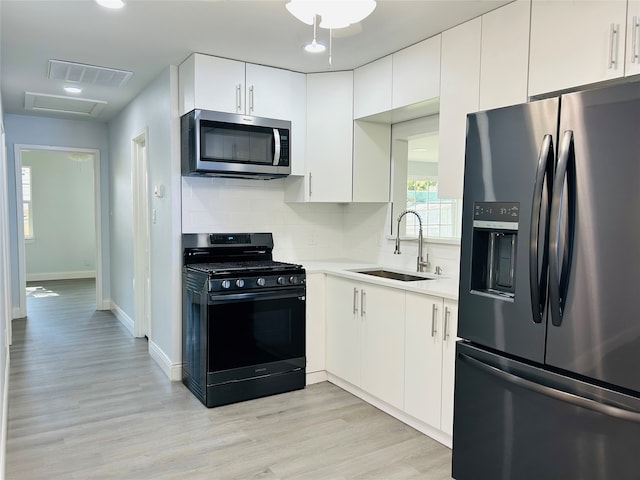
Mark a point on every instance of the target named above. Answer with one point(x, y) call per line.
point(314, 46)
point(110, 3)
point(72, 89)
point(334, 13)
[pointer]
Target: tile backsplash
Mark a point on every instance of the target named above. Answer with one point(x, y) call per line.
point(302, 231)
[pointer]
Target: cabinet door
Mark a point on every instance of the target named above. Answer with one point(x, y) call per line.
point(504, 55)
point(372, 88)
point(382, 311)
point(211, 83)
point(572, 43)
point(343, 329)
point(423, 358)
point(268, 91)
point(329, 137)
point(632, 60)
point(450, 330)
point(371, 161)
point(315, 322)
point(460, 87)
point(416, 73)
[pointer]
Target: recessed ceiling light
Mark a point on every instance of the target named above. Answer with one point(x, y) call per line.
point(111, 3)
point(72, 89)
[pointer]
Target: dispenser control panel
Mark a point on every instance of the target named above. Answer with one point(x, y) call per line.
point(496, 215)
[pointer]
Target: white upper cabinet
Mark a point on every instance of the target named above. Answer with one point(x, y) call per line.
point(575, 43)
point(211, 83)
point(459, 93)
point(273, 92)
point(504, 55)
point(416, 73)
point(328, 168)
point(632, 57)
point(372, 88)
point(223, 85)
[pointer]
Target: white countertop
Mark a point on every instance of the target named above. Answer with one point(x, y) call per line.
point(441, 286)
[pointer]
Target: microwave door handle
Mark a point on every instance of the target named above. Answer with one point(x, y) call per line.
point(276, 146)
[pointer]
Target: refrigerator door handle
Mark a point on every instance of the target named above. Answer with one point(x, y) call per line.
point(570, 398)
point(537, 278)
point(560, 263)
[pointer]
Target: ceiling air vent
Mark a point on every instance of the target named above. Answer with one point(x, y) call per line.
point(89, 74)
point(61, 104)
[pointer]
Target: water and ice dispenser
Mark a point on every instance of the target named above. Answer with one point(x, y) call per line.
point(495, 245)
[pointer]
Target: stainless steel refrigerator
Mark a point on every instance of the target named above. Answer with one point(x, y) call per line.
point(548, 372)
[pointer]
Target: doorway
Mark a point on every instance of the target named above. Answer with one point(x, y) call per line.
point(60, 246)
point(141, 237)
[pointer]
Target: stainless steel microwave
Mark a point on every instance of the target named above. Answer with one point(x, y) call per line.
point(232, 145)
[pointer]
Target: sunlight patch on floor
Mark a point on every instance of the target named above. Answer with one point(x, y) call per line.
point(39, 292)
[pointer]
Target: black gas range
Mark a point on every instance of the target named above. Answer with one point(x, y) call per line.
point(243, 318)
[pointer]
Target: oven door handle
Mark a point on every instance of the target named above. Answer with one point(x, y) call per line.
point(298, 293)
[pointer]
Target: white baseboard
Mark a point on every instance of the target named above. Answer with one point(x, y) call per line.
point(428, 430)
point(316, 377)
point(120, 314)
point(105, 305)
point(18, 312)
point(41, 277)
point(171, 370)
point(5, 417)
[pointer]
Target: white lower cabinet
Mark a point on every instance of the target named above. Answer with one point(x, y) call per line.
point(315, 330)
point(431, 325)
point(365, 337)
point(395, 345)
point(423, 358)
point(343, 329)
point(450, 328)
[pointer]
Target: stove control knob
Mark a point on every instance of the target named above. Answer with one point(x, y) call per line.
point(293, 280)
point(261, 282)
point(281, 280)
point(226, 284)
point(240, 283)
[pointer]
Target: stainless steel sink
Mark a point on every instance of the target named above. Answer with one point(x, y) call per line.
point(403, 277)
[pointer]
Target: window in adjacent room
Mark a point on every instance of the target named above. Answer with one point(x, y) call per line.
point(27, 209)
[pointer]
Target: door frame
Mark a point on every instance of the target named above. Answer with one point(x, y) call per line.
point(97, 205)
point(141, 234)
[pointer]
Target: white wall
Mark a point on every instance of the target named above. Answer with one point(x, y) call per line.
point(32, 130)
point(62, 200)
point(367, 238)
point(300, 231)
point(5, 293)
point(153, 110)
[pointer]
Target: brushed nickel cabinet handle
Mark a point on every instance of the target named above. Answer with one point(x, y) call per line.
point(239, 97)
point(613, 45)
point(363, 303)
point(434, 314)
point(636, 49)
point(447, 314)
point(355, 301)
point(251, 99)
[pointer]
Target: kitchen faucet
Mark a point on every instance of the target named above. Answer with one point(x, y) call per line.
point(421, 264)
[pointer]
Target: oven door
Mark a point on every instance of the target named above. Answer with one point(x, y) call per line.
point(255, 334)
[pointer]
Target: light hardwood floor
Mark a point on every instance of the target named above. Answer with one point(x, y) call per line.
point(87, 402)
